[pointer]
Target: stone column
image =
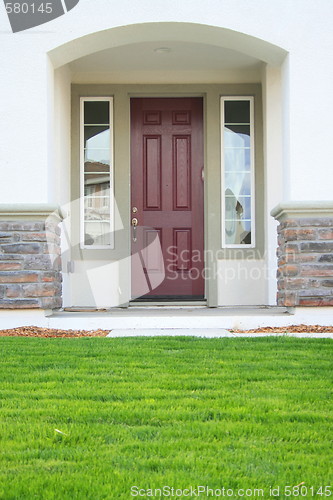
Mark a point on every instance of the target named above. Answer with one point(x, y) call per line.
point(305, 253)
point(30, 257)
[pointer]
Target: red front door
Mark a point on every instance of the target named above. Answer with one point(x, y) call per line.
point(167, 198)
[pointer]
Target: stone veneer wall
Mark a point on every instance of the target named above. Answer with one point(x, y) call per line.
point(30, 264)
point(305, 260)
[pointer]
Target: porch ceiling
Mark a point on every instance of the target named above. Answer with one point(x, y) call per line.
point(166, 62)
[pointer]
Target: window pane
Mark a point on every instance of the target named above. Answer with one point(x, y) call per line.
point(97, 144)
point(97, 233)
point(237, 207)
point(97, 222)
point(238, 232)
point(237, 136)
point(237, 143)
point(97, 137)
point(237, 159)
point(96, 112)
point(97, 168)
point(97, 213)
point(99, 157)
point(237, 111)
point(239, 184)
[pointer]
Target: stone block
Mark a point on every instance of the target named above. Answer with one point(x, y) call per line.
point(325, 234)
point(316, 301)
point(37, 262)
point(51, 302)
point(10, 256)
point(300, 234)
point(290, 270)
point(4, 236)
point(18, 277)
point(316, 222)
point(292, 248)
point(50, 276)
point(19, 304)
point(317, 270)
point(328, 283)
point(299, 283)
point(13, 291)
point(326, 258)
point(8, 266)
point(28, 236)
point(23, 248)
point(317, 246)
point(41, 290)
point(304, 257)
point(288, 223)
point(318, 292)
point(33, 226)
point(290, 299)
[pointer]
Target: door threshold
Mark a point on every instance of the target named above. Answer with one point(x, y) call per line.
point(170, 304)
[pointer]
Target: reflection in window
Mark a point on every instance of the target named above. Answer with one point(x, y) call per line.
point(96, 172)
point(238, 171)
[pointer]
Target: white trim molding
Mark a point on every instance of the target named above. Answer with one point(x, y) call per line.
point(302, 209)
point(109, 174)
point(31, 211)
point(251, 172)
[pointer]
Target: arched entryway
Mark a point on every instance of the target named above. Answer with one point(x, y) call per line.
point(171, 60)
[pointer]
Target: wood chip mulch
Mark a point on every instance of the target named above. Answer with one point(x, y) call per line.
point(289, 329)
point(35, 331)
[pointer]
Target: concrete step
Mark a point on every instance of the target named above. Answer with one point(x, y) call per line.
point(172, 317)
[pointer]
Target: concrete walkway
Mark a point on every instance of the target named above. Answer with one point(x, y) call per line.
point(207, 333)
point(176, 320)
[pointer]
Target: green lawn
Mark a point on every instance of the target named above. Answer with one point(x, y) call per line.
point(154, 412)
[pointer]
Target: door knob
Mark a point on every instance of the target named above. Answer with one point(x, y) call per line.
point(134, 221)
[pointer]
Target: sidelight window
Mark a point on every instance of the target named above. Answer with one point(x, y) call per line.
point(96, 172)
point(237, 172)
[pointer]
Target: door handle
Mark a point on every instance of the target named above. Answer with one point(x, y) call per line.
point(134, 225)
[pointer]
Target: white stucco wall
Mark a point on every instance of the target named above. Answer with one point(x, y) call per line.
point(301, 27)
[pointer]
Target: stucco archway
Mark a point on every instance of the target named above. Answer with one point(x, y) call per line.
point(164, 32)
point(193, 54)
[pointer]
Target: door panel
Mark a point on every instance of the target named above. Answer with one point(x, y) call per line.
point(167, 198)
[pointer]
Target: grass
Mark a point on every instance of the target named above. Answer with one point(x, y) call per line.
point(180, 412)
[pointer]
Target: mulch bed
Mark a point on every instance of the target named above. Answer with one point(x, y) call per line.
point(35, 331)
point(289, 329)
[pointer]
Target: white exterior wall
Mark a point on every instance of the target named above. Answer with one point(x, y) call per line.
point(302, 27)
point(24, 119)
point(60, 153)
